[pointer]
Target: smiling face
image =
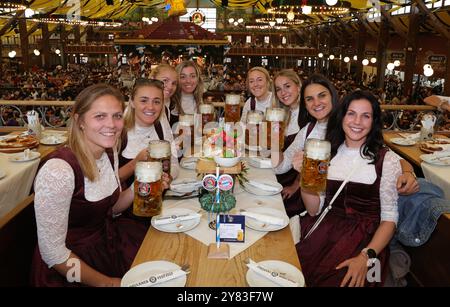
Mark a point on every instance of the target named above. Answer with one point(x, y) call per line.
point(287, 91)
point(102, 124)
point(357, 122)
point(147, 103)
point(318, 101)
point(188, 80)
point(169, 78)
point(258, 84)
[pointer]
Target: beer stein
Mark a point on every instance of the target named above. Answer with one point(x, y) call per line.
point(254, 119)
point(232, 108)
point(275, 128)
point(427, 129)
point(160, 151)
point(186, 124)
point(207, 112)
point(34, 126)
point(147, 189)
point(315, 165)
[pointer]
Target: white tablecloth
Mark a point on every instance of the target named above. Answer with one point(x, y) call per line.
point(439, 175)
point(244, 200)
point(16, 185)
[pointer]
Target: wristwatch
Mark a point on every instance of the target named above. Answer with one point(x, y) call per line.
point(370, 253)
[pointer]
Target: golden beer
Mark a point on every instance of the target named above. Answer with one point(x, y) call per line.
point(186, 124)
point(275, 128)
point(207, 112)
point(315, 165)
point(147, 189)
point(254, 119)
point(232, 108)
point(160, 151)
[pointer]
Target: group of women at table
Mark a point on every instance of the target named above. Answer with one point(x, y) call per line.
point(83, 192)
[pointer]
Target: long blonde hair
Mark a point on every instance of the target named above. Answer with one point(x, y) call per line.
point(130, 113)
point(76, 140)
point(198, 93)
point(291, 75)
point(270, 88)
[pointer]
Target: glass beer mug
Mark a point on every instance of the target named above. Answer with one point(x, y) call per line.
point(232, 108)
point(315, 165)
point(147, 189)
point(186, 124)
point(254, 119)
point(207, 112)
point(275, 128)
point(160, 151)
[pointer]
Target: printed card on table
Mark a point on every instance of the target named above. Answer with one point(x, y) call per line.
point(232, 228)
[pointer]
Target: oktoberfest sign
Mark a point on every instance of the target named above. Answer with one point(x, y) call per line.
point(197, 17)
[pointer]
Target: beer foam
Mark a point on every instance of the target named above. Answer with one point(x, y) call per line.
point(159, 149)
point(317, 149)
point(254, 117)
point(205, 108)
point(148, 171)
point(275, 115)
point(232, 99)
point(186, 120)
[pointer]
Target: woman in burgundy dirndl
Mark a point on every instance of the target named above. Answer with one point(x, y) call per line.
point(362, 220)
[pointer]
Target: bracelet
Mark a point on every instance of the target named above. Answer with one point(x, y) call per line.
point(412, 173)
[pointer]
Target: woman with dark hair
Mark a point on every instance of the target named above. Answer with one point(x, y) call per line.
point(362, 220)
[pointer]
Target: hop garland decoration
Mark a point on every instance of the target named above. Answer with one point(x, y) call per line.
point(226, 203)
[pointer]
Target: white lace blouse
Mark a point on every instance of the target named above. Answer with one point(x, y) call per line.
point(261, 105)
point(319, 131)
point(54, 187)
point(346, 158)
point(139, 137)
point(292, 126)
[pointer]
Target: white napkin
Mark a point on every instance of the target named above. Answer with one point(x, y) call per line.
point(264, 218)
point(189, 162)
point(185, 185)
point(263, 162)
point(409, 136)
point(147, 281)
point(163, 220)
point(263, 186)
point(271, 275)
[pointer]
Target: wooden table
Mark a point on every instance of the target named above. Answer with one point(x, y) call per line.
point(181, 248)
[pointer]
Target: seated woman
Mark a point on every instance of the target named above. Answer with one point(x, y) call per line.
point(77, 193)
point(190, 90)
point(287, 89)
point(144, 122)
point(362, 220)
point(259, 84)
point(168, 75)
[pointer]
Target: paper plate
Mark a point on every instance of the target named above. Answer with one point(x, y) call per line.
point(150, 268)
point(256, 280)
point(258, 191)
point(20, 157)
point(436, 159)
point(403, 142)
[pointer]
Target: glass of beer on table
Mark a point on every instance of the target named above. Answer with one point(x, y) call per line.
point(232, 108)
point(147, 189)
point(275, 127)
point(186, 125)
point(315, 165)
point(254, 120)
point(207, 112)
point(160, 151)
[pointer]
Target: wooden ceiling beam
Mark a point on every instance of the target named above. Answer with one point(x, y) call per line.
point(346, 28)
point(363, 21)
point(10, 22)
point(393, 23)
point(432, 19)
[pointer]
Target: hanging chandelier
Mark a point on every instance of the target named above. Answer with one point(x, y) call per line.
point(79, 20)
point(9, 7)
point(294, 9)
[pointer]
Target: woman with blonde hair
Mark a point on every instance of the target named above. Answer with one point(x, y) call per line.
point(287, 88)
point(169, 76)
point(190, 90)
point(77, 193)
point(144, 122)
point(259, 85)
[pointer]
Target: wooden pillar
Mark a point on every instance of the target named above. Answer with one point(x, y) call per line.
point(63, 41)
point(383, 39)
point(77, 34)
point(23, 32)
point(362, 34)
point(45, 46)
point(411, 51)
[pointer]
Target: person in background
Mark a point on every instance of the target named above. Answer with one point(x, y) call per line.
point(77, 193)
point(440, 102)
point(190, 89)
point(363, 218)
point(259, 84)
point(168, 75)
point(287, 89)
